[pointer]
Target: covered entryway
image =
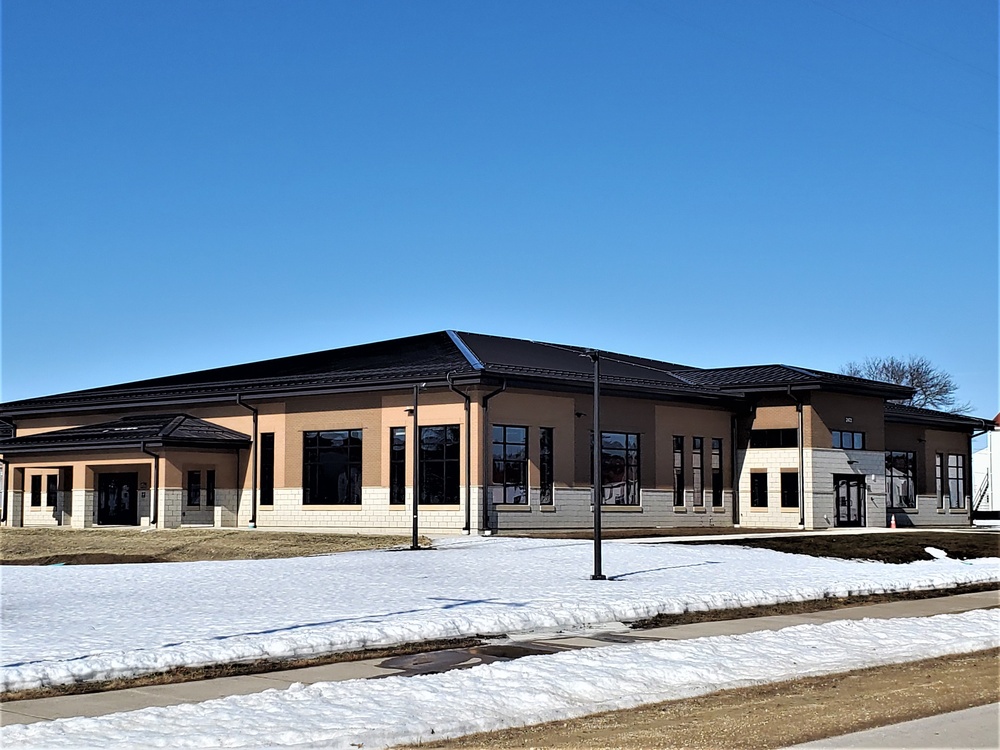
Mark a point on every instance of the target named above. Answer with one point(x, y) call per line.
point(117, 499)
point(849, 491)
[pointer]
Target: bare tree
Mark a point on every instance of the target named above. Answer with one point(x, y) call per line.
point(934, 388)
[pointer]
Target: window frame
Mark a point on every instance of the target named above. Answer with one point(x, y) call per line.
point(630, 469)
point(718, 481)
point(789, 489)
point(546, 466)
point(698, 471)
point(315, 470)
point(956, 478)
point(36, 491)
point(505, 491)
point(892, 498)
point(450, 466)
point(758, 489)
point(192, 488)
point(266, 468)
point(784, 437)
point(837, 437)
point(397, 466)
point(678, 446)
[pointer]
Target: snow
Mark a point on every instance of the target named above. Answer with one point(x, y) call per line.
point(380, 713)
point(65, 624)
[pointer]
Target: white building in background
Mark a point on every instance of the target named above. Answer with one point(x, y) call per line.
point(986, 474)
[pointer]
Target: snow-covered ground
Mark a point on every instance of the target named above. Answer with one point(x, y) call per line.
point(72, 624)
point(379, 713)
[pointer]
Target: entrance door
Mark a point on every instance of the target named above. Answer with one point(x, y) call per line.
point(849, 490)
point(117, 499)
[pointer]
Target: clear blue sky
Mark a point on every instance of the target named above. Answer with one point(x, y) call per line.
point(189, 184)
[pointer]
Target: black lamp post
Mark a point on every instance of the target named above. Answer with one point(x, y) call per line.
point(414, 544)
point(598, 483)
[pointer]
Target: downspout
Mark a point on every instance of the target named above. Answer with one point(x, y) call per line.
point(486, 452)
point(156, 483)
point(3, 510)
point(802, 461)
point(468, 452)
point(733, 428)
point(253, 471)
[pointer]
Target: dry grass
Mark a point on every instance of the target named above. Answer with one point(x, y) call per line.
point(103, 546)
point(772, 716)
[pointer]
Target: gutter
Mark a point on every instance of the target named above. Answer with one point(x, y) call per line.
point(155, 489)
point(486, 450)
point(468, 453)
point(253, 465)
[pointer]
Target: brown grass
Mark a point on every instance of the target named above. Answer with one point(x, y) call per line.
point(102, 546)
point(774, 715)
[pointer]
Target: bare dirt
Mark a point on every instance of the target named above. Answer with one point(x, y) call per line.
point(774, 715)
point(105, 546)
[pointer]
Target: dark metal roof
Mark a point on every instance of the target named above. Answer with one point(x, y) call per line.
point(781, 376)
point(904, 413)
point(468, 357)
point(153, 430)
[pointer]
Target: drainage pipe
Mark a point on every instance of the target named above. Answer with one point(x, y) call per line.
point(802, 460)
point(155, 490)
point(468, 452)
point(253, 471)
point(486, 452)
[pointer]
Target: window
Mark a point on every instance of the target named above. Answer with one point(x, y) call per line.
point(510, 465)
point(849, 440)
point(758, 490)
point(267, 468)
point(619, 468)
point(956, 481)
point(900, 473)
point(939, 479)
point(194, 488)
point(678, 470)
point(36, 491)
point(546, 470)
point(51, 489)
point(439, 459)
point(789, 489)
point(698, 480)
point(397, 466)
point(716, 472)
point(210, 488)
point(331, 467)
point(774, 438)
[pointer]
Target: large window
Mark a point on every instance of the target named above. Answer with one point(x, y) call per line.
point(210, 488)
point(758, 490)
point(267, 468)
point(900, 474)
point(789, 489)
point(849, 440)
point(546, 466)
point(956, 481)
point(194, 488)
point(939, 479)
point(510, 464)
point(620, 468)
point(439, 464)
point(698, 471)
point(786, 438)
point(716, 472)
point(678, 470)
point(331, 467)
point(36, 491)
point(397, 466)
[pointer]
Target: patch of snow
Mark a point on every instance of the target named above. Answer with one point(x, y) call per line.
point(394, 710)
point(71, 624)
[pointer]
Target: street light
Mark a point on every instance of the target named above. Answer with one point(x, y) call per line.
point(414, 544)
point(598, 575)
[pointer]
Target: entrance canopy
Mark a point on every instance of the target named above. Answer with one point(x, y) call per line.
point(175, 430)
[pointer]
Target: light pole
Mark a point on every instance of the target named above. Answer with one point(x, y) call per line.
point(598, 483)
point(416, 467)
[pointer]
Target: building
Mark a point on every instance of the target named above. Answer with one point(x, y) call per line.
point(505, 426)
point(985, 475)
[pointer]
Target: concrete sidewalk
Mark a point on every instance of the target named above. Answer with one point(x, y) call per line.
point(98, 704)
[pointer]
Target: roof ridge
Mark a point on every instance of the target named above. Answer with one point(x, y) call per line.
point(465, 349)
point(173, 425)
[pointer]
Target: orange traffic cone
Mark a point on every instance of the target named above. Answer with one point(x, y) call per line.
point(892, 523)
